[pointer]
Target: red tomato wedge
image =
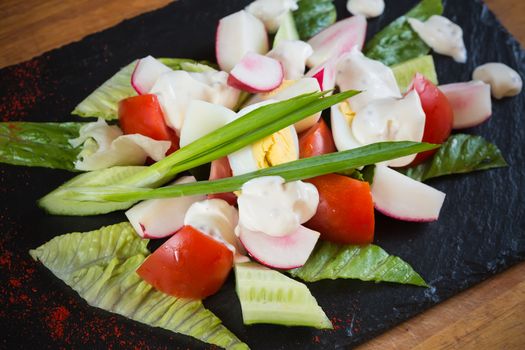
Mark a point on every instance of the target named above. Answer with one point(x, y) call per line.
point(143, 115)
point(345, 213)
point(220, 169)
point(190, 264)
point(439, 114)
point(316, 141)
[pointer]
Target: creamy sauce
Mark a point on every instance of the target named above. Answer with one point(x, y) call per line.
point(368, 8)
point(442, 35)
point(105, 146)
point(292, 54)
point(271, 206)
point(216, 218)
point(271, 12)
point(176, 89)
point(387, 119)
point(503, 80)
point(357, 72)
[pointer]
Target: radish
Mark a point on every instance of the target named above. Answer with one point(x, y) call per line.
point(159, 218)
point(403, 198)
point(292, 54)
point(146, 73)
point(238, 34)
point(256, 73)
point(325, 74)
point(285, 252)
point(470, 102)
point(337, 39)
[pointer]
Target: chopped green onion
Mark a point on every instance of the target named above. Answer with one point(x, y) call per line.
point(297, 170)
point(249, 128)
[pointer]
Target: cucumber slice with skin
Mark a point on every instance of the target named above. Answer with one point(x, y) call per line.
point(267, 296)
point(405, 71)
point(57, 204)
point(286, 31)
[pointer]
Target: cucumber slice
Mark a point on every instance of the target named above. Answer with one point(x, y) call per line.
point(268, 296)
point(287, 30)
point(405, 71)
point(57, 204)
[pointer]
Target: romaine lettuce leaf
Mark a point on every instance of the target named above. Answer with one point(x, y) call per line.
point(366, 263)
point(39, 144)
point(100, 265)
point(461, 153)
point(57, 204)
point(103, 102)
point(397, 42)
point(312, 16)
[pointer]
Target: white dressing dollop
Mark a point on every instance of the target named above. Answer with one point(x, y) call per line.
point(367, 8)
point(271, 12)
point(373, 78)
point(292, 54)
point(106, 146)
point(271, 206)
point(391, 120)
point(442, 35)
point(176, 89)
point(503, 80)
point(218, 219)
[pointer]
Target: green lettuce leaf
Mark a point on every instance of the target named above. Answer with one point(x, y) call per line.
point(39, 144)
point(100, 265)
point(312, 16)
point(461, 153)
point(103, 102)
point(397, 42)
point(57, 204)
point(366, 263)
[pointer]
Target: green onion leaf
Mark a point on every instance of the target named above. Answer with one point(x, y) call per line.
point(297, 170)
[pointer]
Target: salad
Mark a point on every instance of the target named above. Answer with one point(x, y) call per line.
point(284, 188)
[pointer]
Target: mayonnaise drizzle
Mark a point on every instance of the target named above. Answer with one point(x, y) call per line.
point(271, 206)
point(442, 35)
point(503, 80)
point(367, 8)
point(373, 78)
point(218, 219)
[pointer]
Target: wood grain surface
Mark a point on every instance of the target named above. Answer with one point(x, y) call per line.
point(490, 315)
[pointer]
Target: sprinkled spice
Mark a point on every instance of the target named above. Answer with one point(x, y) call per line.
point(22, 91)
point(56, 320)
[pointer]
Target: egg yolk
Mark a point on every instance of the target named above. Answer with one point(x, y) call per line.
point(284, 85)
point(275, 149)
point(347, 112)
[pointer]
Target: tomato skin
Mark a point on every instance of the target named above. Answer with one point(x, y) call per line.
point(190, 264)
point(220, 169)
point(143, 115)
point(345, 213)
point(439, 114)
point(316, 141)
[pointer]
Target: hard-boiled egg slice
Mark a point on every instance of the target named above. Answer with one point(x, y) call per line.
point(373, 78)
point(386, 119)
point(201, 119)
point(289, 89)
point(278, 148)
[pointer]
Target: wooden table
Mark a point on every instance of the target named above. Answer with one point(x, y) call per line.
point(490, 315)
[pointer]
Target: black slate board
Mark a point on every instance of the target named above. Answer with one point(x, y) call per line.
point(480, 232)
